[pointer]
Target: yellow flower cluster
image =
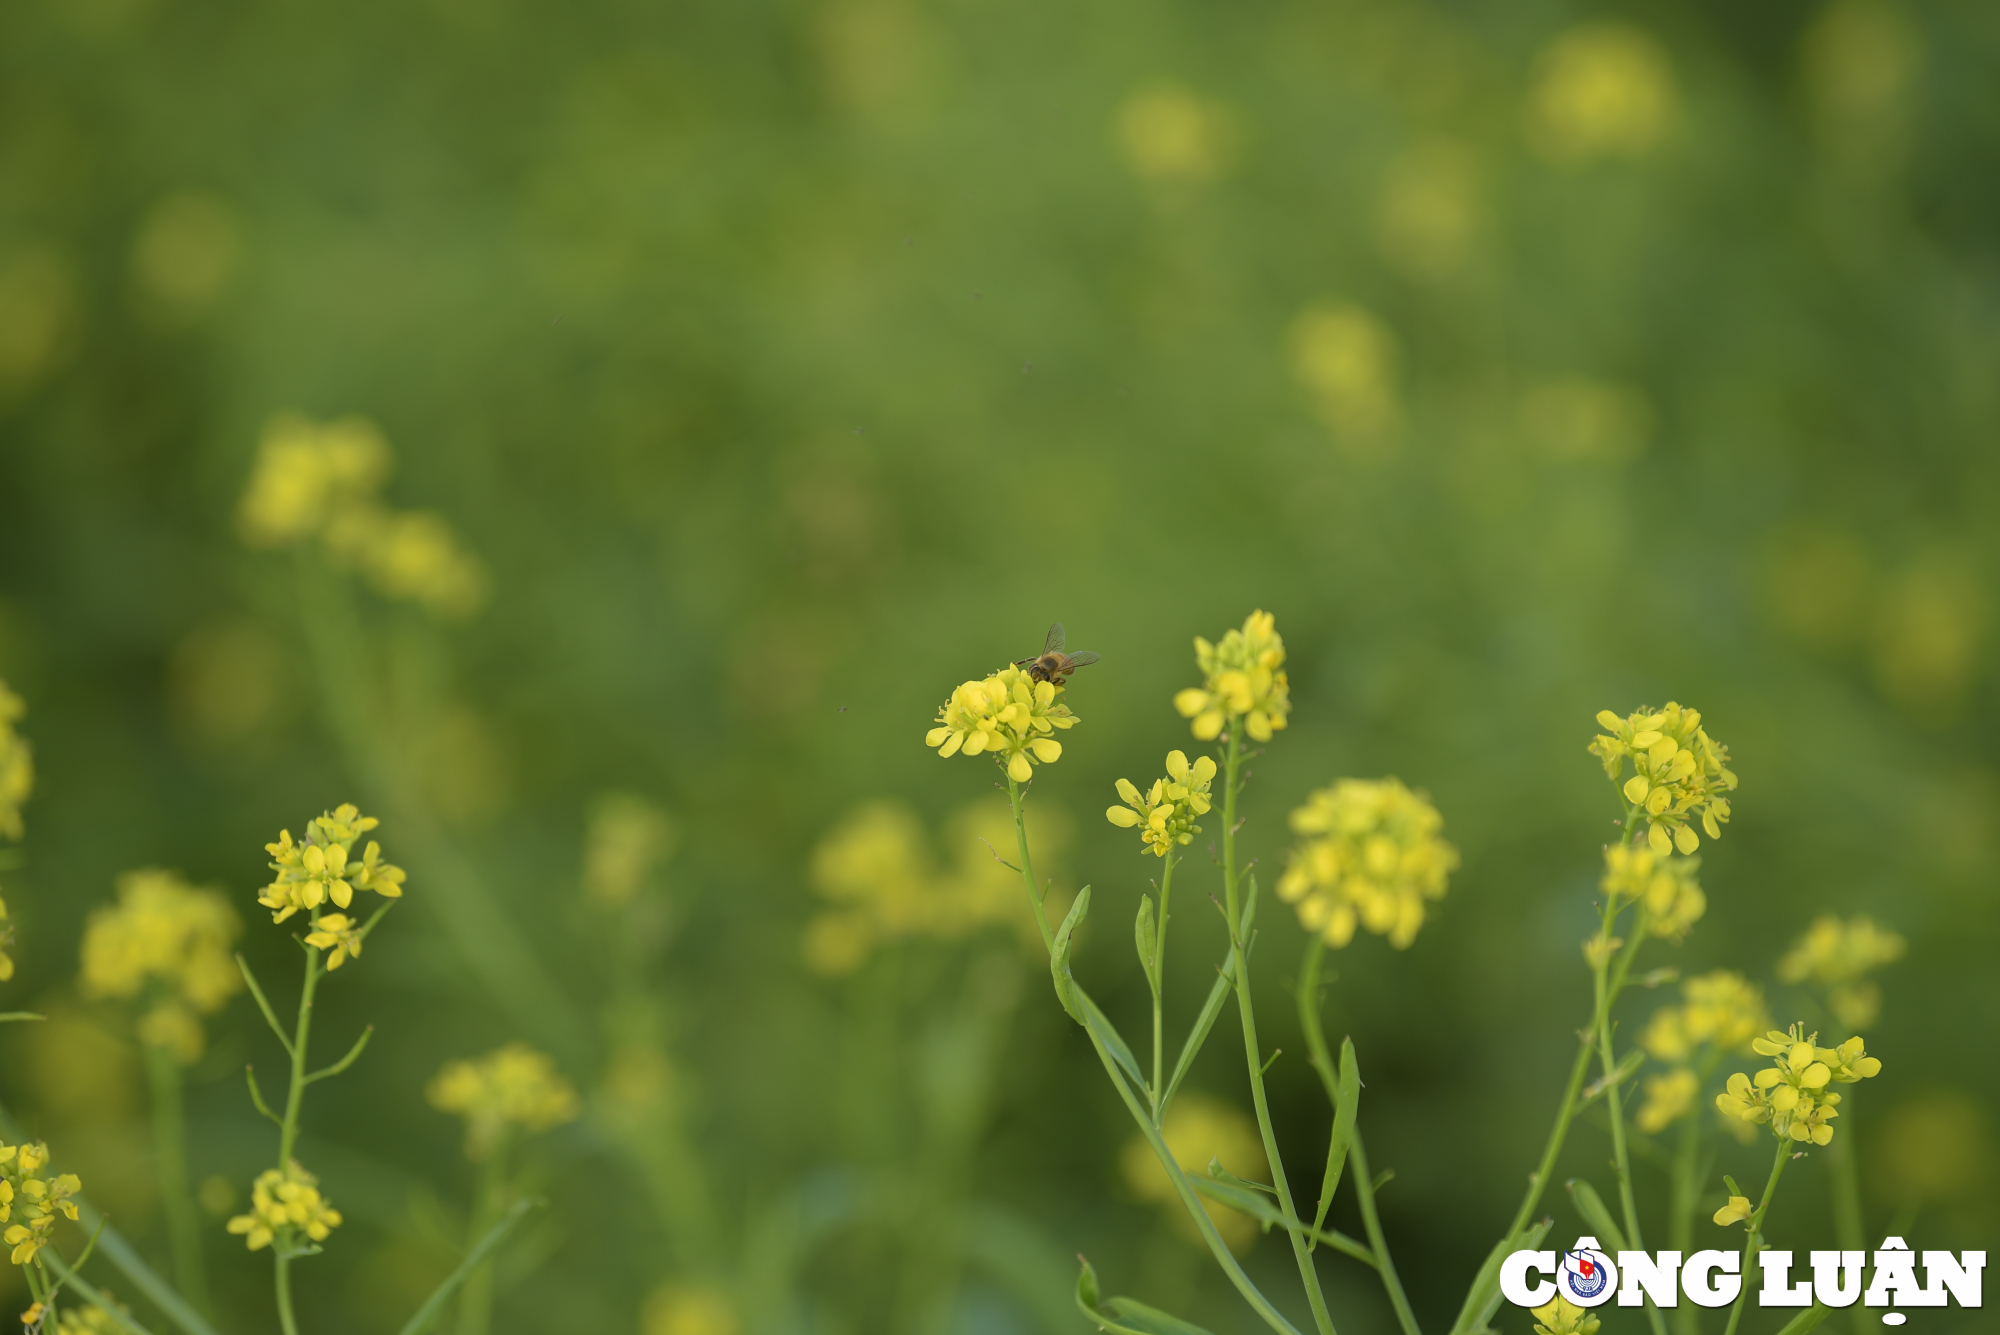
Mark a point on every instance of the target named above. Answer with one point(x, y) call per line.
point(282, 1206)
point(1244, 679)
point(878, 870)
point(1669, 1098)
point(87, 1319)
point(1661, 882)
point(628, 839)
point(514, 1087)
point(1680, 774)
point(1791, 1093)
point(1838, 956)
point(29, 1202)
point(1372, 855)
point(320, 479)
point(1722, 1008)
point(1164, 813)
point(322, 866)
point(1010, 714)
point(1560, 1316)
point(17, 764)
point(169, 944)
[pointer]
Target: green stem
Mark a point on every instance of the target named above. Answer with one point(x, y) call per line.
point(1159, 981)
point(1756, 1245)
point(1321, 1059)
point(170, 1150)
point(1018, 800)
point(475, 1302)
point(284, 1286)
point(1252, 1053)
point(1686, 1187)
point(1847, 1222)
point(1613, 1101)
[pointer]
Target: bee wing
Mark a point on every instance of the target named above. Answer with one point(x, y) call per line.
point(1055, 641)
point(1083, 658)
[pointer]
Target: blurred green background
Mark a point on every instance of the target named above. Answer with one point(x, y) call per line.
point(785, 365)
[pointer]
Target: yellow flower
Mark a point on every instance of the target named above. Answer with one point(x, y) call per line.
point(511, 1087)
point(341, 933)
point(1560, 1316)
point(628, 838)
point(1164, 814)
point(689, 1309)
point(1600, 90)
point(6, 944)
point(1372, 855)
point(322, 867)
point(17, 764)
point(1244, 680)
point(88, 1319)
point(413, 556)
point(1669, 1098)
point(306, 473)
point(30, 1202)
point(1791, 1094)
point(170, 941)
point(284, 1205)
point(1735, 1212)
point(1199, 1129)
point(1663, 883)
point(1722, 1007)
point(1837, 956)
point(1680, 774)
point(1008, 713)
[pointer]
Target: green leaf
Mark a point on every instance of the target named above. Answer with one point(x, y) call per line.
point(1143, 935)
point(1620, 1073)
point(1482, 1300)
point(1591, 1206)
point(1125, 1315)
point(1221, 1174)
point(1098, 1023)
point(1805, 1321)
point(1266, 1212)
point(1346, 1108)
point(1211, 1009)
point(1059, 955)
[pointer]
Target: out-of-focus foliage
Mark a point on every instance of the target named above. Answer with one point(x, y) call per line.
point(747, 376)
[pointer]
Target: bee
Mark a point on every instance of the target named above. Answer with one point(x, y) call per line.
point(1053, 664)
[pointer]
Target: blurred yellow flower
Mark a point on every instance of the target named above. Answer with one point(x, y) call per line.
point(1559, 1316)
point(1164, 814)
point(1735, 1211)
point(322, 868)
point(171, 945)
point(1345, 358)
point(1574, 419)
point(185, 252)
point(1722, 1007)
point(284, 1205)
point(6, 944)
point(1372, 856)
point(17, 763)
point(1662, 883)
point(319, 480)
point(82, 1318)
point(1600, 90)
point(627, 840)
point(1172, 137)
point(1680, 774)
point(1243, 678)
point(1008, 713)
point(514, 1087)
point(1669, 1098)
point(878, 870)
point(29, 1202)
point(689, 1309)
point(1790, 1095)
point(1199, 1128)
point(1838, 956)
point(306, 473)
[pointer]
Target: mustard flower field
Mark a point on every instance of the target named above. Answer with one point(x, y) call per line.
point(930, 667)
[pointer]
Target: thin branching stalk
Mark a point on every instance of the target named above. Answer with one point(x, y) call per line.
point(1613, 1102)
point(1158, 981)
point(1253, 1055)
point(1756, 1243)
point(475, 1303)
